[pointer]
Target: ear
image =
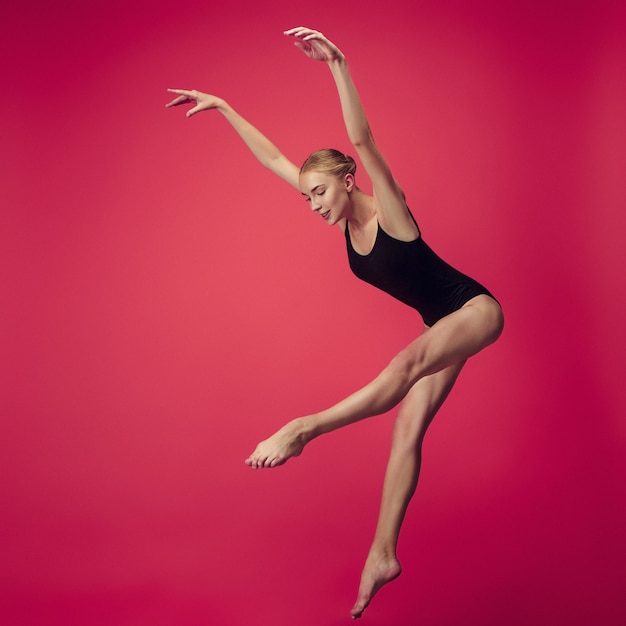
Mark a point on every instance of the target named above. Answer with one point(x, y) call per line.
point(348, 181)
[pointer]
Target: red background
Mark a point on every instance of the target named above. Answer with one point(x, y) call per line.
point(166, 303)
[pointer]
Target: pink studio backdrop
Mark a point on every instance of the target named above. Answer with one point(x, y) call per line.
point(167, 303)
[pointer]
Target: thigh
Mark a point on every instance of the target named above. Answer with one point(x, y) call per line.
point(452, 339)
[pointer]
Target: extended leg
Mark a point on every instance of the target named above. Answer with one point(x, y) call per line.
point(415, 415)
point(450, 341)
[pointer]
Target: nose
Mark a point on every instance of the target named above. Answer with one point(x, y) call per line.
point(315, 205)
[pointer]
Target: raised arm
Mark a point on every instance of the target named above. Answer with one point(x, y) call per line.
point(262, 148)
point(389, 197)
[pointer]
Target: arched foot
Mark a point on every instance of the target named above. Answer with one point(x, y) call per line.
point(378, 571)
point(285, 443)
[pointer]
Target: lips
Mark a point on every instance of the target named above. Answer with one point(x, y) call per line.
point(325, 215)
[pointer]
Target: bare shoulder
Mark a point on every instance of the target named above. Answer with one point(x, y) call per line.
point(389, 199)
point(393, 214)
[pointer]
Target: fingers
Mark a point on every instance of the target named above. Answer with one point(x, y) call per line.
point(186, 97)
point(183, 97)
point(176, 101)
point(304, 33)
point(314, 44)
point(293, 31)
point(186, 93)
point(193, 111)
point(303, 46)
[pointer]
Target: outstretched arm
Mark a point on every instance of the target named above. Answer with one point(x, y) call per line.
point(390, 201)
point(262, 148)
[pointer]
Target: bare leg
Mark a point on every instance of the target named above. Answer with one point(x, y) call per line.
point(450, 341)
point(415, 415)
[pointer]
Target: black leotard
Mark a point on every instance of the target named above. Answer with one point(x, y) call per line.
point(411, 272)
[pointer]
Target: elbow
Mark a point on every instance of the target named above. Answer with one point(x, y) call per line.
point(361, 139)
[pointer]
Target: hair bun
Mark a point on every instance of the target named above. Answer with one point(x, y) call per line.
point(330, 161)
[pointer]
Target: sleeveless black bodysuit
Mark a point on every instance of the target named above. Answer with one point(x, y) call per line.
point(412, 273)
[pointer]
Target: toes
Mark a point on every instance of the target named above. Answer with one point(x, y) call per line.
point(261, 458)
point(358, 609)
point(252, 461)
point(257, 461)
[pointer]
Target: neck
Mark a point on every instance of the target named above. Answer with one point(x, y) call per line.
point(362, 208)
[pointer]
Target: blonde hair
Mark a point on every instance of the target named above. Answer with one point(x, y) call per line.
point(329, 161)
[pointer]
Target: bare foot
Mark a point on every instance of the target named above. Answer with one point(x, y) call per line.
point(378, 571)
point(282, 445)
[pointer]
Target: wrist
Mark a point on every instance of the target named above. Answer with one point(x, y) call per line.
point(338, 61)
point(222, 106)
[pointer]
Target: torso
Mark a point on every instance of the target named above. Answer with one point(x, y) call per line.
point(363, 236)
point(409, 271)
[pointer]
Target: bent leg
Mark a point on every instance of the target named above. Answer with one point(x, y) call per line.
point(451, 340)
point(415, 415)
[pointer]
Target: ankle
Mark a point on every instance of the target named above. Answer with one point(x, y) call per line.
point(382, 551)
point(305, 428)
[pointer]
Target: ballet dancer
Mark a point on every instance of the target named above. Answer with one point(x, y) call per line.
point(386, 249)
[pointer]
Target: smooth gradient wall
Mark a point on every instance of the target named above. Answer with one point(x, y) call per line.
point(166, 303)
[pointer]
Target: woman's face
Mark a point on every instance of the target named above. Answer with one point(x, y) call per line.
point(328, 195)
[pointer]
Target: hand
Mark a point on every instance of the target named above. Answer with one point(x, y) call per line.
point(203, 101)
point(315, 45)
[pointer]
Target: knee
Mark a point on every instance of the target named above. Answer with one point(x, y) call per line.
point(496, 321)
point(407, 365)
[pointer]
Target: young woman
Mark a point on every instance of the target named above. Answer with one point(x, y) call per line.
point(385, 248)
